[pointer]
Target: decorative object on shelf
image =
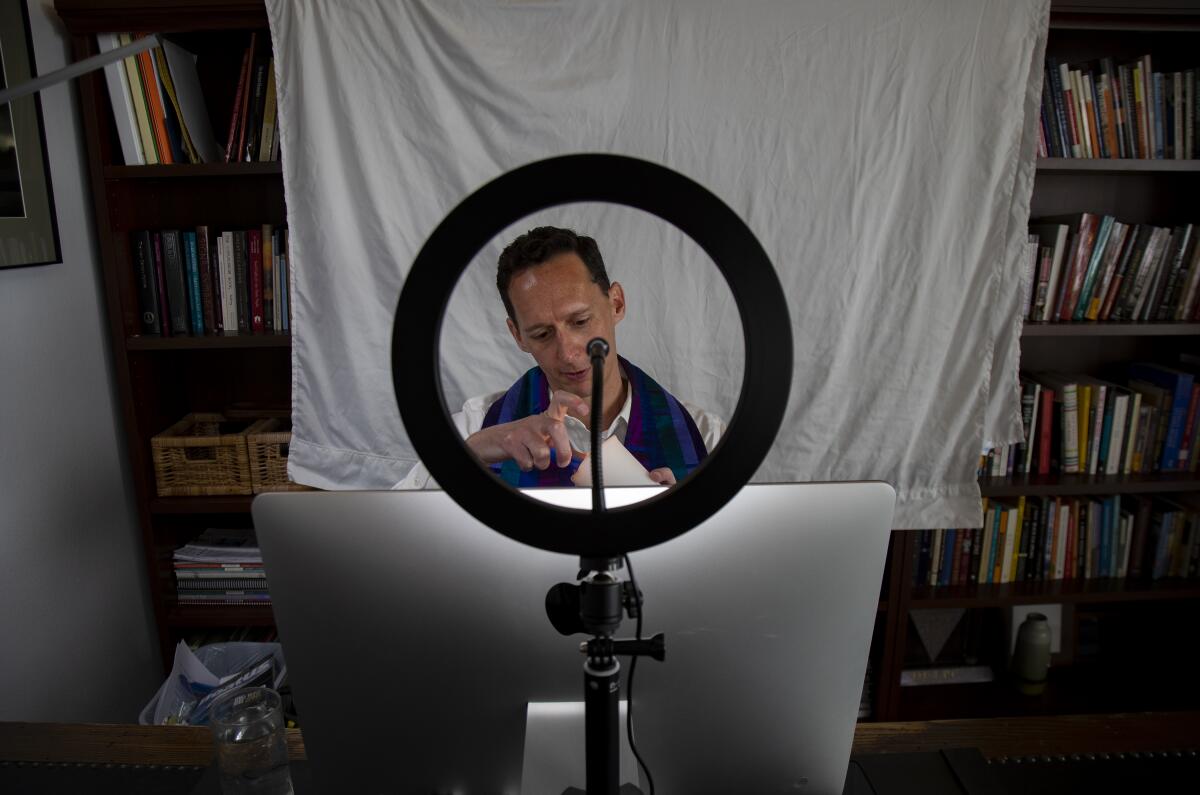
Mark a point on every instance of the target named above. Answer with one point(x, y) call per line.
point(204, 454)
point(28, 225)
point(1031, 658)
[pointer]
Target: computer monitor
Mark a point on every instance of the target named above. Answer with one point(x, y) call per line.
point(416, 636)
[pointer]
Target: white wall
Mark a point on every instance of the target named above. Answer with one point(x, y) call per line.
point(77, 639)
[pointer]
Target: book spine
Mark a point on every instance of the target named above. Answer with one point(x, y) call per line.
point(154, 104)
point(1177, 274)
point(268, 279)
point(235, 113)
point(177, 292)
point(208, 286)
point(192, 264)
point(244, 112)
point(1081, 298)
point(229, 291)
point(160, 274)
point(255, 275)
point(249, 151)
point(269, 114)
point(242, 279)
point(148, 303)
point(182, 150)
point(137, 96)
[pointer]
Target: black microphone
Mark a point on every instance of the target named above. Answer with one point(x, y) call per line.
point(597, 350)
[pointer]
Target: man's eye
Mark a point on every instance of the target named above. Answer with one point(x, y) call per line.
point(583, 321)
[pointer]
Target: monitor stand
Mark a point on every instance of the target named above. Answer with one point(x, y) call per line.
point(555, 752)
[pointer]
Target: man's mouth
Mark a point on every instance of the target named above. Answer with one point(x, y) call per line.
point(577, 375)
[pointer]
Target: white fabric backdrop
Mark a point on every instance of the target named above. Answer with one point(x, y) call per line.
point(881, 151)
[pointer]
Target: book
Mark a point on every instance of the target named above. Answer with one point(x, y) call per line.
point(119, 94)
point(137, 95)
point(229, 292)
point(147, 280)
point(1176, 274)
point(242, 281)
point(182, 150)
point(1085, 237)
point(1178, 384)
point(1056, 237)
point(1135, 246)
point(160, 273)
point(153, 96)
point(1113, 249)
point(1095, 256)
point(190, 102)
point(192, 268)
point(268, 278)
point(209, 287)
point(235, 115)
point(254, 272)
point(267, 141)
point(258, 91)
point(177, 291)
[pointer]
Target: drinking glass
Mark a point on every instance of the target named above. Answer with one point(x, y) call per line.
point(248, 731)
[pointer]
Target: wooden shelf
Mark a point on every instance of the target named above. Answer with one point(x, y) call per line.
point(1072, 690)
point(231, 503)
point(1083, 485)
point(1098, 165)
point(220, 616)
point(193, 170)
point(1109, 329)
point(1074, 591)
point(140, 343)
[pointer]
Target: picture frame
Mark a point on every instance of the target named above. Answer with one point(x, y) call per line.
point(28, 223)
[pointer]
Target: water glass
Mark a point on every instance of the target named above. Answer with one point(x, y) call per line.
point(251, 740)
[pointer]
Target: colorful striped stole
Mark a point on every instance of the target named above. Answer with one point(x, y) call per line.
point(661, 433)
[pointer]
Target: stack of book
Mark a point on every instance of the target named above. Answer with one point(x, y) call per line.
point(158, 105)
point(191, 282)
point(1118, 110)
point(1040, 539)
point(1076, 424)
point(253, 122)
point(221, 567)
point(161, 114)
point(1098, 268)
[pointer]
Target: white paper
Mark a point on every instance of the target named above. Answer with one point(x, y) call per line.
point(618, 464)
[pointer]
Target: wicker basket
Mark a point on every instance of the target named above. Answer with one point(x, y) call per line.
point(200, 455)
point(268, 451)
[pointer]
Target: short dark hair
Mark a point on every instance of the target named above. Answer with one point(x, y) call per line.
point(541, 244)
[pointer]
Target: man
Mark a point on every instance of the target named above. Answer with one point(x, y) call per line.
point(558, 297)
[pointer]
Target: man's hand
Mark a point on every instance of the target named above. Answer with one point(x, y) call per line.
point(528, 441)
point(663, 476)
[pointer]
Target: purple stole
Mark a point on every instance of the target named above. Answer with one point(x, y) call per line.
point(661, 433)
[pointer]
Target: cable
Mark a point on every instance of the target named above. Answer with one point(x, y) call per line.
point(637, 595)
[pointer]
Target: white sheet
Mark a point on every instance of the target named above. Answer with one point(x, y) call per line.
point(881, 151)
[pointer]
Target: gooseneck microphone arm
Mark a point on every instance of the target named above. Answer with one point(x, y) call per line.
point(597, 352)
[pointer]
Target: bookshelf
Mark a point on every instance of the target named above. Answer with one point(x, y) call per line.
point(161, 379)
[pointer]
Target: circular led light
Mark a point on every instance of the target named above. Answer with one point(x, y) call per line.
point(675, 199)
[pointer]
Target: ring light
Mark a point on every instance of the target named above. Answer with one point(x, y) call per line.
point(767, 334)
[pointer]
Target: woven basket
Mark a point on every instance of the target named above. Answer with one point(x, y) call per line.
point(268, 451)
point(200, 455)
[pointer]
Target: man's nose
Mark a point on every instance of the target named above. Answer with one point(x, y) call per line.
point(572, 348)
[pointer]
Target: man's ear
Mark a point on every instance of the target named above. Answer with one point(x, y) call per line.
point(516, 334)
point(616, 297)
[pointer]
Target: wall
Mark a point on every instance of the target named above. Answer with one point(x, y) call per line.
point(78, 639)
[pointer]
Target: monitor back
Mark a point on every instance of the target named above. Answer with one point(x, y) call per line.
point(415, 636)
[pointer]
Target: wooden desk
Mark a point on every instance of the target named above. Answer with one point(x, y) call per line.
point(996, 738)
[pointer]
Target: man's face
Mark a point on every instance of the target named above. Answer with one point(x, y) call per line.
point(559, 309)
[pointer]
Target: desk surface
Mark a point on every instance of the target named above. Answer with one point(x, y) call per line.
point(996, 738)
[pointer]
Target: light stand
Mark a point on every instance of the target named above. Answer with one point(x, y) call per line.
point(595, 607)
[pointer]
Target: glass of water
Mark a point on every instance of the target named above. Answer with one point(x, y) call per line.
point(248, 730)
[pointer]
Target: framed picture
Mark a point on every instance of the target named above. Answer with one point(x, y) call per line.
point(28, 226)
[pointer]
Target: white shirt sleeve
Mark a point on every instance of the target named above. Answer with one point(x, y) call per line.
point(467, 421)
